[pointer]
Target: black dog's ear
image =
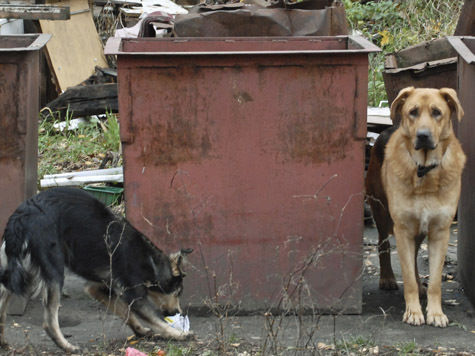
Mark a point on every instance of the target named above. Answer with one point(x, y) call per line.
point(176, 259)
point(186, 251)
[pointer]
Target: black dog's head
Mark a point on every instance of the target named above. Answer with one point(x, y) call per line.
point(167, 288)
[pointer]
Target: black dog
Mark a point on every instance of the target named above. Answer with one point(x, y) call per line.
point(67, 227)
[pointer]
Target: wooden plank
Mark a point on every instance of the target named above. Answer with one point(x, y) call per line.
point(34, 12)
point(75, 48)
point(86, 100)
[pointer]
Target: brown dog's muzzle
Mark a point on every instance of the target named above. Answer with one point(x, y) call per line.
point(424, 140)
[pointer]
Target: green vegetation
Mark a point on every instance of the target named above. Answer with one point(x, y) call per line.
point(356, 344)
point(406, 349)
point(396, 24)
point(82, 148)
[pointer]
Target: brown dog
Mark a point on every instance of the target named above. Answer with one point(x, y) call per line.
point(413, 184)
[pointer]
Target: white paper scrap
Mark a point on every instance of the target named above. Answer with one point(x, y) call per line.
point(179, 322)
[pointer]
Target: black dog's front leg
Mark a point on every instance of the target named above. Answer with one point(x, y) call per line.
point(149, 313)
point(117, 306)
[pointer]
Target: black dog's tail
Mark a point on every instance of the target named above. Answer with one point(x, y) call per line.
point(15, 277)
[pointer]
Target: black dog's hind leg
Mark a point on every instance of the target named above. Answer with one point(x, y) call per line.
point(4, 299)
point(113, 303)
point(51, 301)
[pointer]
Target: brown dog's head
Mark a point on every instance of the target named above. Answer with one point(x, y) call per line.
point(424, 114)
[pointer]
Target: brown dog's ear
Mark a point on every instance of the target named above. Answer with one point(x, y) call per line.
point(452, 100)
point(398, 102)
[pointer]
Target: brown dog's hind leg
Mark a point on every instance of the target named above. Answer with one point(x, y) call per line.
point(422, 288)
point(51, 301)
point(118, 307)
point(387, 281)
point(376, 198)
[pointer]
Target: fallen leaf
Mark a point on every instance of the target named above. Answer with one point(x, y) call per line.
point(451, 302)
point(374, 350)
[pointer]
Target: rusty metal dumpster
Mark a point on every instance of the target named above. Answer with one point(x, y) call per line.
point(250, 151)
point(465, 47)
point(19, 109)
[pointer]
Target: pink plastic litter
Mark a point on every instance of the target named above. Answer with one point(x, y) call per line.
point(130, 351)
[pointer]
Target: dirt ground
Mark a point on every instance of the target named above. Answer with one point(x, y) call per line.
point(378, 330)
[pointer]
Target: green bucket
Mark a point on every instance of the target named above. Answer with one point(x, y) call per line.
point(108, 195)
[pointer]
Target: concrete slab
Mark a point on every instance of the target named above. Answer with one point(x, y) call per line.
point(87, 324)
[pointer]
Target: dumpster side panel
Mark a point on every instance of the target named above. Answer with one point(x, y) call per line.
point(257, 163)
point(466, 212)
point(442, 76)
point(19, 80)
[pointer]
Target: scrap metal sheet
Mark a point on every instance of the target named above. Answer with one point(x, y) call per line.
point(250, 20)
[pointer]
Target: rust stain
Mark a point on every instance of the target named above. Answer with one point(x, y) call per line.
point(177, 221)
point(10, 141)
point(174, 141)
point(242, 97)
point(315, 140)
point(172, 133)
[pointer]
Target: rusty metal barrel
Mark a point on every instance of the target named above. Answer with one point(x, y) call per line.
point(251, 151)
point(465, 47)
point(19, 110)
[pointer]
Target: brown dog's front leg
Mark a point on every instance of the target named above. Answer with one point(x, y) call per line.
point(406, 247)
point(438, 243)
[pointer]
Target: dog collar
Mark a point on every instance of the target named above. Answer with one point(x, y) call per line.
point(423, 170)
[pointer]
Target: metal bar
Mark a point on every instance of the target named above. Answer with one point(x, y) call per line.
point(80, 11)
point(462, 49)
point(35, 12)
point(23, 42)
point(357, 45)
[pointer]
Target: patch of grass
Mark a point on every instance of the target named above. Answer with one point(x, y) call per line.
point(355, 344)
point(408, 348)
point(111, 133)
point(174, 350)
point(82, 148)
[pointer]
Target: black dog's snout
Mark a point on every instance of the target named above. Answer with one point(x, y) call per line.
point(166, 313)
point(424, 139)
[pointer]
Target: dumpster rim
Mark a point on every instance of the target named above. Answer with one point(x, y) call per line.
point(423, 66)
point(461, 48)
point(114, 45)
point(38, 43)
